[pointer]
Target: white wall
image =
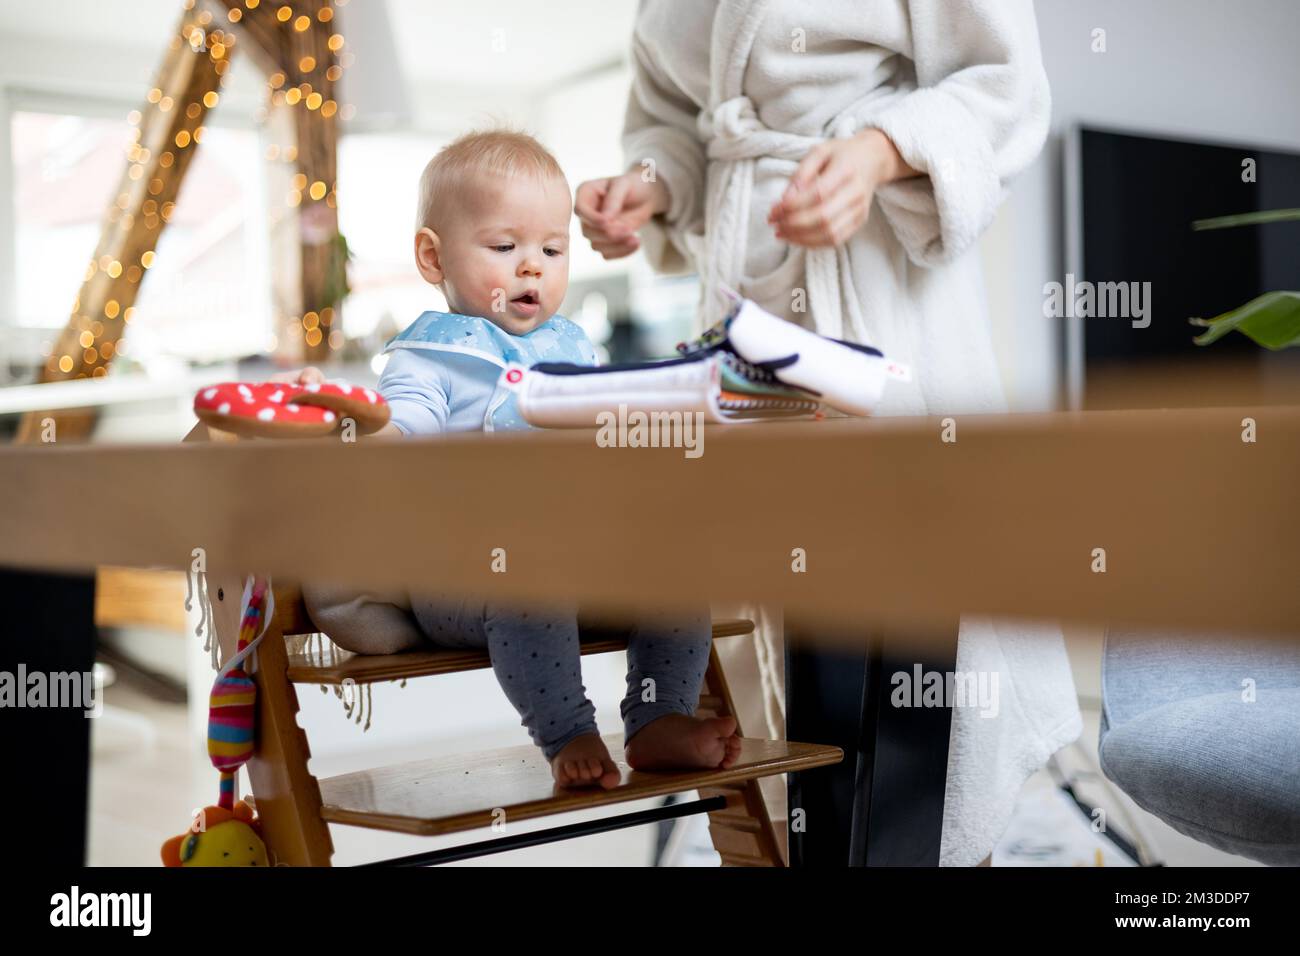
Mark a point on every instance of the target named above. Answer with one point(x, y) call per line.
point(582, 122)
point(1196, 69)
point(1204, 69)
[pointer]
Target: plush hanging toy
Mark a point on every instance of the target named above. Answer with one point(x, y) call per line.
point(229, 835)
point(279, 410)
point(230, 838)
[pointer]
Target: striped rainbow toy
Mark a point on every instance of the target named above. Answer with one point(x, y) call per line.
point(228, 834)
point(232, 706)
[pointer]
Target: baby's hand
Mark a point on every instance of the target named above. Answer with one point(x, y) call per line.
point(310, 375)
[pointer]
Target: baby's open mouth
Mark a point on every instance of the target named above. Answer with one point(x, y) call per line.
point(528, 298)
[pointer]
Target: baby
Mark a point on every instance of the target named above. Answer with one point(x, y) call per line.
point(493, 235)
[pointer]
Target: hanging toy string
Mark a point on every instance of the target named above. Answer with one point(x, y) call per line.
point(196, 585)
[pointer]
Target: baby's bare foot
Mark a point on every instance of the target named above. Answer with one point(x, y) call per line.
point(678, 742)
point(584, 762)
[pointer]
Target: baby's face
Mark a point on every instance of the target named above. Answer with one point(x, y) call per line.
point(505, 252)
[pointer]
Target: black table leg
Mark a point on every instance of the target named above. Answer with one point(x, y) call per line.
point(883, 805)
point(48, 635)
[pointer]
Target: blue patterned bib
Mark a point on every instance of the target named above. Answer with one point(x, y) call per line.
point(555, 340)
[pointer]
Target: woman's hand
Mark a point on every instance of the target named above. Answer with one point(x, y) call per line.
point(310, 375)
point(612, 210)
point(830, 194)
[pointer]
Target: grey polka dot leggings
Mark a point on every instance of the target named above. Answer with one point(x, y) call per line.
point(534, 653)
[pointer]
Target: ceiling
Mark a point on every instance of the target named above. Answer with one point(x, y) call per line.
point(543, 42)
point(503, 44)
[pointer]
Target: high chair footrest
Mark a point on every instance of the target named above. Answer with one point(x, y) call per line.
point(467, 791)
point(333, 665)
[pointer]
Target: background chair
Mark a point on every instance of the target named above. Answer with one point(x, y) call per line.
point(1204, 732)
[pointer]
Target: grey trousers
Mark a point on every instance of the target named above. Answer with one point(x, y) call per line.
point(534, 653)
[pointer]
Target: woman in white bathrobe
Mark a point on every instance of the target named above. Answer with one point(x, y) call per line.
point(837, 162)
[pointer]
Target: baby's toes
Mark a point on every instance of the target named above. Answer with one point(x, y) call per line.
point(725, 726)
point(609, 775)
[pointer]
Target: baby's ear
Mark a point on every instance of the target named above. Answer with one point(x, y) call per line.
point(428, 255)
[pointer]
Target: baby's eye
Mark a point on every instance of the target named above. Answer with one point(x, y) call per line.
point(554, 252)
point(504, 246)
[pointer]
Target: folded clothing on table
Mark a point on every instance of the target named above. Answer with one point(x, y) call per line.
point(752, 366)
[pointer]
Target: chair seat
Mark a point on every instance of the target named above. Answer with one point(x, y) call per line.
point(1218, 769)
point(333, 665)
point(463, 792)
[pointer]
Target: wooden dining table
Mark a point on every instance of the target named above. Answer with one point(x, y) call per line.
point(875, 536)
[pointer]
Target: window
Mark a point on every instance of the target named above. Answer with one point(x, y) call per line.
point(379, 181)
point(207, 295)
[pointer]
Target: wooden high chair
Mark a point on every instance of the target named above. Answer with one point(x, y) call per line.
point(469, 791)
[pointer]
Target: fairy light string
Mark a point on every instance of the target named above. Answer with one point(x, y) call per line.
point(169, 126)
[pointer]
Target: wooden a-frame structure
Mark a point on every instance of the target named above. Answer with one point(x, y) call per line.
point(297, 45)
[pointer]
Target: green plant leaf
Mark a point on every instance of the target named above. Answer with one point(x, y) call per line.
point(1247, 219)
point(1271, 320)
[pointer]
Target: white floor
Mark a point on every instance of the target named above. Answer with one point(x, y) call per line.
point(147, 776)
point(150, 771)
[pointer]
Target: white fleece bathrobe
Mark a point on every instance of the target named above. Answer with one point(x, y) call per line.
point(727, 97)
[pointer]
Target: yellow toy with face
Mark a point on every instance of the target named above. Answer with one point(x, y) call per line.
point(228, 839)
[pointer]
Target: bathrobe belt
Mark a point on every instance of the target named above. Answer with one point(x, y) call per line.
point(736, 139)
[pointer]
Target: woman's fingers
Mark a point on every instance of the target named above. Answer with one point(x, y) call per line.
point(600, 234)
point(617, 248)
point(826, 210)
point(612, 210)
point(587, 200)
point(611, 206)
point(611, 247)
point(843, 227)
point(599, 205)
point(821, 214)
point(810, 167)
point(803, 186)
point(834, 231)
point(835, 176)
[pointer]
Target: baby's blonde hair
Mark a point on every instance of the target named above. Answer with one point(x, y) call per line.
point(504, 152)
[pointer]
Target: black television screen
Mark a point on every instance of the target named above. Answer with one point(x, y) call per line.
point(1138, 197)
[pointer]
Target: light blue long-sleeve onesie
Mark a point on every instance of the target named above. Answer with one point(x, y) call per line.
point(443, 368)
point(442, 376)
